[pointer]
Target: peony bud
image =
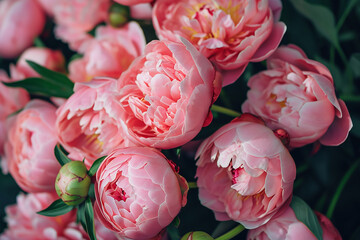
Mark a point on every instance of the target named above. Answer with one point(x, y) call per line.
point(72, 183)
point(119, 15)
point(197, 236)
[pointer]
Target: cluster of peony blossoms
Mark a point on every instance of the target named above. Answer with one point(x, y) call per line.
point(133, 99)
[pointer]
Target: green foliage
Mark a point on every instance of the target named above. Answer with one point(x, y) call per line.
point(51, 83)
point(60, 156)
point(306, 215)
point(95, 166)
point(57, 208)
point(321, 17)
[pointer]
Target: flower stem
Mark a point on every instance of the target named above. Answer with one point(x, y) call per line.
point(232, 233)
point(192, 185)
point(339, 189)
point(225, 111)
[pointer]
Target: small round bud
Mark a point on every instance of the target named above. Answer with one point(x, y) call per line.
point(283, 136)
point(197, 236)
point(118, 15)
point(72, 183)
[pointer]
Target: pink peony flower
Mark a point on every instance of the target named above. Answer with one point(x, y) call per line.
point(51, 59)
point(88, 123)
point(133, 2)
point(11, 99)
point(20, 22)
point(166, 94)
point(244, 172)
point(75, 231)
point(80, 14)
point(286, 226)
point(298, 95)
point(29, 148)
point(133, 196)
point(230, 33)
point(74, 18)
point(141, 11)
point(110, 53)
point(24, 223)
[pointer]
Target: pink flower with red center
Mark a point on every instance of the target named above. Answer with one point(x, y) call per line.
point(297, 94)
point(230, 33)
point(138, 193)
point(244, 172)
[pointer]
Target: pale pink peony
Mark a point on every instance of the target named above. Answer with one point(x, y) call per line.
point(11, 100)
point(298, 95)
point(29, 147)
point(74, 231)
point(78, 40)
point(74, 18)
point(132, 2)
point(24, 223)
point(110, 53)
point(80, 14)
point(286, 226)
point(167, 93)
point(21, 21)
point(138, 193)
point(51, 59)
point(141, 11)
point(230, 33)
point(244, 172)
point(88, 123)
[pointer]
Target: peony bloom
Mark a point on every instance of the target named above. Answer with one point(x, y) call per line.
point(230, 33)
point(244, 172)
point(20, 22)
point(298, 95)
point(74, 18)
point(138, 193)
point(87, 123)
point(51, 59)
point(132, 2)
point(29, 148)
point(110, 53)
point(11, 100)
point(24, 223)
point(166, 94)
point(286, 226)
point(141, 11)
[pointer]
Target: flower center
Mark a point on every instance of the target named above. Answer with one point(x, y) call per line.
point(116, 192)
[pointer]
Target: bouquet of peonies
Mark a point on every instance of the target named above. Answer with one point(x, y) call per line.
point(129, 119)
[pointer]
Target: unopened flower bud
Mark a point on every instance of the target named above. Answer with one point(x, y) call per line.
point(197, 236)
point(118, 15)
point(72, 183)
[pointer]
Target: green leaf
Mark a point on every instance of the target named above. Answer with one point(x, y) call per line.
point(306, 215)
point(57, 208)
point(51, 75)
point(321, 17)
point(43, 87)
point(94, 167)
point(60, 156)
point(173, 230)
point(92, 191)
point(355, 64)
point(89, 219)
point(80, 216)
